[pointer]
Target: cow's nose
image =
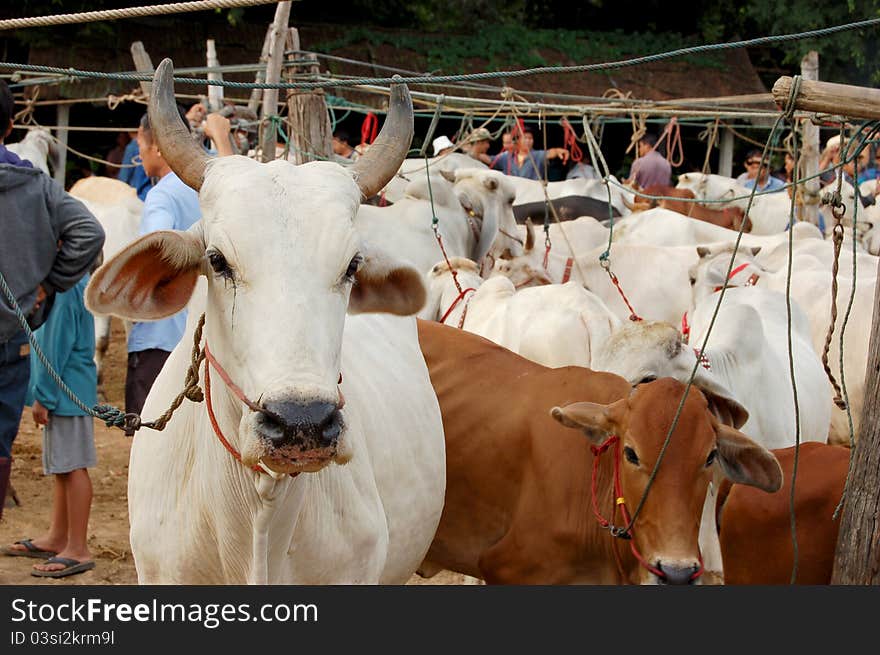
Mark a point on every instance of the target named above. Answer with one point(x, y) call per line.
point(317, 422)
point(677, 575)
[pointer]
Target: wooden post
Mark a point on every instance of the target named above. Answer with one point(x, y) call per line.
point(809, 154)
point(62, 120)
point(215, 93)
point(857, 557)
point(725, 154)
point(257, 94)
point(273, 76)
point(310, 131)
point(829, 98)
point(142, 64)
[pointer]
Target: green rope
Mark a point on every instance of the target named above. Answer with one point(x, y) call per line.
point(433, 79)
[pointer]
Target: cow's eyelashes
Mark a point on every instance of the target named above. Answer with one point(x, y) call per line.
point(711, 458)
point(353, 267)
point(631, 456)
point(220, 265)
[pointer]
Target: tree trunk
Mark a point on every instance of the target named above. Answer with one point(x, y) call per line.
point(857, 558)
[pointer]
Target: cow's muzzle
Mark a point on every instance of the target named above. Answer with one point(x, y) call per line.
point(300, 427)
point(674, 574)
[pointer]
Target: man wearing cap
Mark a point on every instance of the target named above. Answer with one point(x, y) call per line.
point(477, 145)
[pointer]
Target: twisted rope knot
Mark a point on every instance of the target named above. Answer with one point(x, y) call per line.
point(194, 394)
point(112, 416)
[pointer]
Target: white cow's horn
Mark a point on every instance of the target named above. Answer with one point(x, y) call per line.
point(178, 148)
point(380, 163)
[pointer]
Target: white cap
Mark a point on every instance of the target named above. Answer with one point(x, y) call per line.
point(441, 143)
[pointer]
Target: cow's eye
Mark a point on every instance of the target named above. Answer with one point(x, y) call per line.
point(219, 264)
point(711, 458)
point(630, 455)
point(353, 266)
point(647, 378)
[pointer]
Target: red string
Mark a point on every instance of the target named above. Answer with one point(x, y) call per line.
point(570, 142)
point(369, 128)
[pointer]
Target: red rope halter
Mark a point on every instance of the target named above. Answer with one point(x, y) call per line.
point(619, 502)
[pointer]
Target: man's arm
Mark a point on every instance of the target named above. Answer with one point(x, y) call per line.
point(81, 237)
point(217, 129)
point(558, 153)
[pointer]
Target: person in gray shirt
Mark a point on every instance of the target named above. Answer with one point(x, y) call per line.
point(50, 240)
point(651, 168)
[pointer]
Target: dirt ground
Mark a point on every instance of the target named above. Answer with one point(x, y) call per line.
point(108, 523)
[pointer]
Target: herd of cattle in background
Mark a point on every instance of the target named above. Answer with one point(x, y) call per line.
point(550, 388)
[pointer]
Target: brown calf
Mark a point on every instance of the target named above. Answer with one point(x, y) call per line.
point(729, 217)
point(755, 528)
point(519, 503)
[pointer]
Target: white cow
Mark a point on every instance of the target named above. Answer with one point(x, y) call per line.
point(283, 260)
point(118, 209)
point(811, 293)
point(554, 325)
point(654, 279)
point(415, 170)
point(664, 227)
point(37, 146)
point(475, 219)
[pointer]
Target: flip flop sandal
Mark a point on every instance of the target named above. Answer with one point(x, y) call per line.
point(30, 550)
point(71, 566)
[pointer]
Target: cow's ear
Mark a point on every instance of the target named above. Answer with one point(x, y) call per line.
point(596, 421)
point(746, 462)
point(383, 284)
point(530, 237)
point(151, 278)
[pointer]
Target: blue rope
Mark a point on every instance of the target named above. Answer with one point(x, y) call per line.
point(112, 416)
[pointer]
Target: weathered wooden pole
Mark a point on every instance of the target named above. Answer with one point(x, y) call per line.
point(273, 76)
point(830, 98)
point(725, 154)
point(257, 94)
point(310, 129)
point(143, 64)
point(857, 557)
point(62, 119)
point(215, 93)
point(809, 154)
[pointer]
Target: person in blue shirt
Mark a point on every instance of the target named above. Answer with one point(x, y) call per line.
point(67, 339)
point(755, 173)
point(523, 161)
point(133, 173)
point(169, 205)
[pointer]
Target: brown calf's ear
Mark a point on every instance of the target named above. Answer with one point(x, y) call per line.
point(530, 236)
point(596, 421)
point(746, 462)
point(151, 278)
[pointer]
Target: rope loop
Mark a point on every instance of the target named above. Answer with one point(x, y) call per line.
point(788, 112)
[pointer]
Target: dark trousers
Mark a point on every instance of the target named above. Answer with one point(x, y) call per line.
point(143, 367)
point(15, 374)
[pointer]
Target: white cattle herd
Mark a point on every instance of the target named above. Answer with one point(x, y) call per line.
point(332, 467)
